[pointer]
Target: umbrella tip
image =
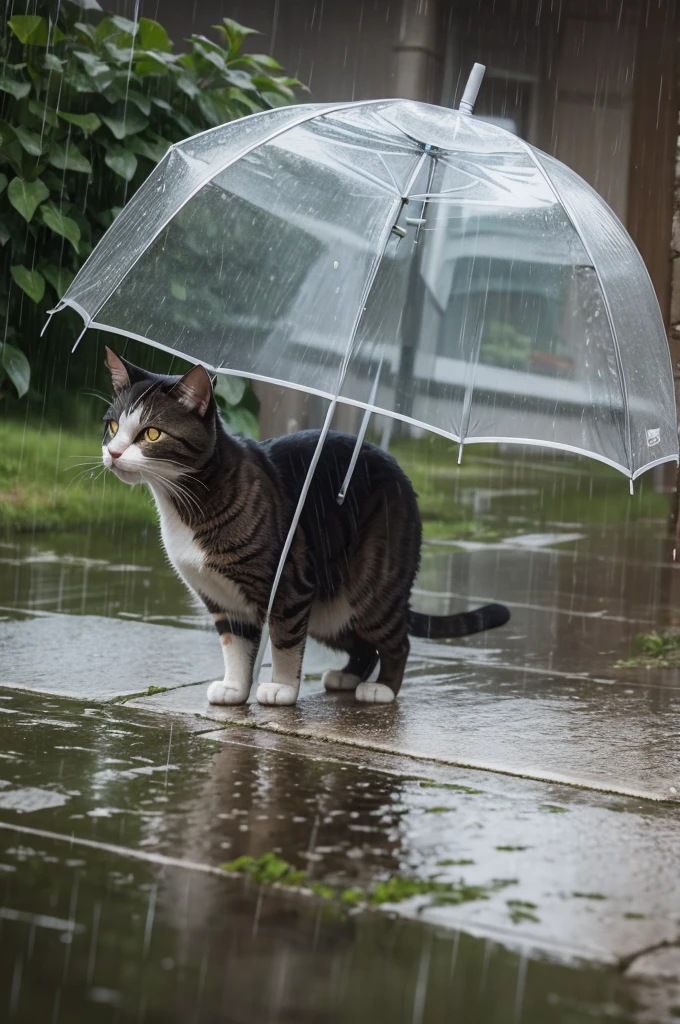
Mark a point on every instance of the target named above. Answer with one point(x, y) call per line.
point(472, 88)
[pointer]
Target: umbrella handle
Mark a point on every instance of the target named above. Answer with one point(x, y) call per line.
point(472, 88)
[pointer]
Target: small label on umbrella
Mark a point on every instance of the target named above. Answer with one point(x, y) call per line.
point(653, 437)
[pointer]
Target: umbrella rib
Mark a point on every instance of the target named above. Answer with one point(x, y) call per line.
point(384, 238)
point(605, 298)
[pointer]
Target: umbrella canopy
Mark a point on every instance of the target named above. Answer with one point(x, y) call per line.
point(400, 257)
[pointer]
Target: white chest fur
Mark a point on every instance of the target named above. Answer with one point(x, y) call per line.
point(189, 561)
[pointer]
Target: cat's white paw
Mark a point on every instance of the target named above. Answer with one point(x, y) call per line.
point(374, 693)
point(334, 679)
point(221, 692)
point(277, 693)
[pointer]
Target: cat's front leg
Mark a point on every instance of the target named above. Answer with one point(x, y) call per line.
point(288, 637)
point(239, 642)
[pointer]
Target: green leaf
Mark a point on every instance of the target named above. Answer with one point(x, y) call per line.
point(265, 61)
point(69, 159)
point(120, 54)
point(230, 388)
point(17, 367)
point(141, 101)
point(26, 196)
point(30, 281)
point(59, 277)
point(96, 68)
point(43, 113)
point(234, 34)
point(61, 224)
point(242, 421)
point(122, 24)
point(122, 161)
point(29, 140)
point(29, 29)
point(188, 86)
point(153, 36)
point(152, 149)
point(127, 122)
point(179, 291)
point(4, 234)
point(154, 63)
point(88, 122)
point(241, 80)
point(11, 151)
point(17, 89)
point(3, 183)
point(237, 96)
point(53, 63)
point(86, 30)
point(87, 5)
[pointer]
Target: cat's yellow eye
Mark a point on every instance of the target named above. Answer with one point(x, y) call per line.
point(151, 434)
point(113, 427)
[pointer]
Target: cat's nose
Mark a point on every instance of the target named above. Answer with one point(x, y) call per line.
point(114, 455)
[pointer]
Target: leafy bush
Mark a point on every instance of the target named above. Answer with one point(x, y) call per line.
point(88, 104)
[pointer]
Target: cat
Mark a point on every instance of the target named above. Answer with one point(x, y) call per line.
point(225, 505)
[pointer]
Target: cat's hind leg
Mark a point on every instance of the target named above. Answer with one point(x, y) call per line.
point(387, 685)
point(239, 642)
point(363, 657)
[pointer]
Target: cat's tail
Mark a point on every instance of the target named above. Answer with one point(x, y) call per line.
point(445, 627)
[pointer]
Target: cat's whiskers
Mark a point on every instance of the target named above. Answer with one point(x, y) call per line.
point(173, 487)
point(185, 472)
point(94, 460)
point(97, 394)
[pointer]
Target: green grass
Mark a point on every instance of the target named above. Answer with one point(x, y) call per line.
point(569, 489)
point(267, 870)
point(522, 910)
point(40, 487)
point(654, 650)
point(270, 869)
point(426, 784)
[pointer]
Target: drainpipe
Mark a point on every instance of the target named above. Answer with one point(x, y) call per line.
point(416, 52)
point(416, 60)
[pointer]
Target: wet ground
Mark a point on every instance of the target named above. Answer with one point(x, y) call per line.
point(524, 777)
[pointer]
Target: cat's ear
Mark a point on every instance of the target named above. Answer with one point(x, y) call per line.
point(120, 378)
point(194, 390)
point(123, 374)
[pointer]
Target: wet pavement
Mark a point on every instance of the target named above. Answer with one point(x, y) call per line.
point(113, 825)
point(523, 768)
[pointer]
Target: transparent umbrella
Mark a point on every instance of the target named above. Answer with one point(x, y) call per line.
point(403, 258)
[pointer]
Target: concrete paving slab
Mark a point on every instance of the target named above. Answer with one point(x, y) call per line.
point(101, 658)
point(489, 718)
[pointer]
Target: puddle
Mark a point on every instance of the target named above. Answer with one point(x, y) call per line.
point(162, 944)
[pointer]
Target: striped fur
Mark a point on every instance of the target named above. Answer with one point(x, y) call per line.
point(225, 506)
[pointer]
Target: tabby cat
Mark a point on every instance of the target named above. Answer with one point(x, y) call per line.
point(225, 506)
